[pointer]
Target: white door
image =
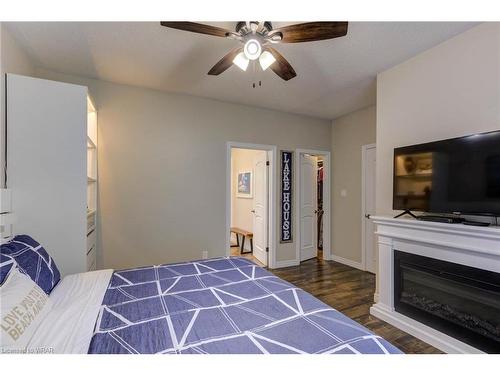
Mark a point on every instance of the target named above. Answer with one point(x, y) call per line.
point(308, 203)
point(260, 233)
point(369, 162)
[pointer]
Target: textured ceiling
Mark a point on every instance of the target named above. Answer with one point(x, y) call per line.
point(334, 77)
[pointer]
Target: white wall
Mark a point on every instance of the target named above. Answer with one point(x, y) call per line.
point(12, 60)
point(349, 133)
point(162, 168)
point(241, 215)
point(448, 91)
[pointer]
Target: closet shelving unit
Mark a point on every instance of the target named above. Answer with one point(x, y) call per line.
point(52, 168)
point(91, 184)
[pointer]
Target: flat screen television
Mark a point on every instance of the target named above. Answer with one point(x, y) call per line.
point(459, 175)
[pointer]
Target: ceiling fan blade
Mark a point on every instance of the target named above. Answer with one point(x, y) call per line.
point(311, 31)
point(197, 28)
point(281, 67)
point(224, 63)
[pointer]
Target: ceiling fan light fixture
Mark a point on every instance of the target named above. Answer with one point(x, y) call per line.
point(256, 34)
point(252, 49)
point(241, 61)
point(266, 60)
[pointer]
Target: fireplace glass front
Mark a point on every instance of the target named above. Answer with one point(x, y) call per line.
point(461, 301)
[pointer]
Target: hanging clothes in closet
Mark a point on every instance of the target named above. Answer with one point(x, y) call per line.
point(320, 205)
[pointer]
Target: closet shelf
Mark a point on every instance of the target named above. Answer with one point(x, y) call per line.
point(92, 179)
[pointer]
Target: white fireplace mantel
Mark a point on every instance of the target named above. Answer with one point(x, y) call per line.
point(472, 246)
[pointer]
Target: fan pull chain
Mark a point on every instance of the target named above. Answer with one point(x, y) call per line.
point(255, 73)
point(255, 85)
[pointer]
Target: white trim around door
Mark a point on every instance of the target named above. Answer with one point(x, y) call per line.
point(364, 149)
point(327, 251)
point(271, 151)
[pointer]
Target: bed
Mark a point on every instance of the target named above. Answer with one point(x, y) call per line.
point(220, 305)
point(224, 305)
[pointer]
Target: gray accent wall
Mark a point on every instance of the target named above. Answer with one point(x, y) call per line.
point(349, 133)
point(162, 166)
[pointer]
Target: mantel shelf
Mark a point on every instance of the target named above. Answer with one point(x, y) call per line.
point(458, 229)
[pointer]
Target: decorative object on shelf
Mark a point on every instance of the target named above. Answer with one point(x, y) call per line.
point(286, 173)
point(424, 165)
point(410, 165)
point(244, 187)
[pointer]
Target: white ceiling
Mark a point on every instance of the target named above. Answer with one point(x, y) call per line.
point(334, 77)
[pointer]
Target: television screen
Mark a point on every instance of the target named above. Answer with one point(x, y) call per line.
point(460, 175)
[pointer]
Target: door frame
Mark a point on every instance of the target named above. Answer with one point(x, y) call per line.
point(271, 220)
point(364, 149)
point(327, 250)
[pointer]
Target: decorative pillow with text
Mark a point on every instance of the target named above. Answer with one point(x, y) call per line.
point(23, 308)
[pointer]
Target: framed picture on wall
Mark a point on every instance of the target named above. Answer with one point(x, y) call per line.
point(244, 187)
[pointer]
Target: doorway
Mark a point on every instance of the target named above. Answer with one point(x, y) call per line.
point(368, 184)
point(313, 205)
point(249, 207)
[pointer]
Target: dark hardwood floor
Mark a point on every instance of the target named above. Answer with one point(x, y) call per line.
point(349, 291)
point(235, 251)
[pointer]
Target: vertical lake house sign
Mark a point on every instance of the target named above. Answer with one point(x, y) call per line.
point(286, 196)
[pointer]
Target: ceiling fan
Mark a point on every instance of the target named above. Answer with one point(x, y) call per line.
point(257, 39)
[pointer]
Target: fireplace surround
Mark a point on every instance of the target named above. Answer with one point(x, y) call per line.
point(440, 282)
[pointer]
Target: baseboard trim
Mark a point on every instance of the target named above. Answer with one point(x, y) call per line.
point(431, 336)
point(347, 262)
point(327, 255)
point(286, 263)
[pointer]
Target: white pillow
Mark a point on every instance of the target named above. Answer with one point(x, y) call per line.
point(23, 306)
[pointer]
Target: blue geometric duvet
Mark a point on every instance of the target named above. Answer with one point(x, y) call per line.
point(222, 305)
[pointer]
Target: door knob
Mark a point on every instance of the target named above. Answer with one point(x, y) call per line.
point(252, 211)
point(367, 216)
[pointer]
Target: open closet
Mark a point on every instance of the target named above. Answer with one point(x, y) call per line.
point(319, 205)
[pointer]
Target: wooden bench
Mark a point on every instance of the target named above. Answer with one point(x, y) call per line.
point(243, 233)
